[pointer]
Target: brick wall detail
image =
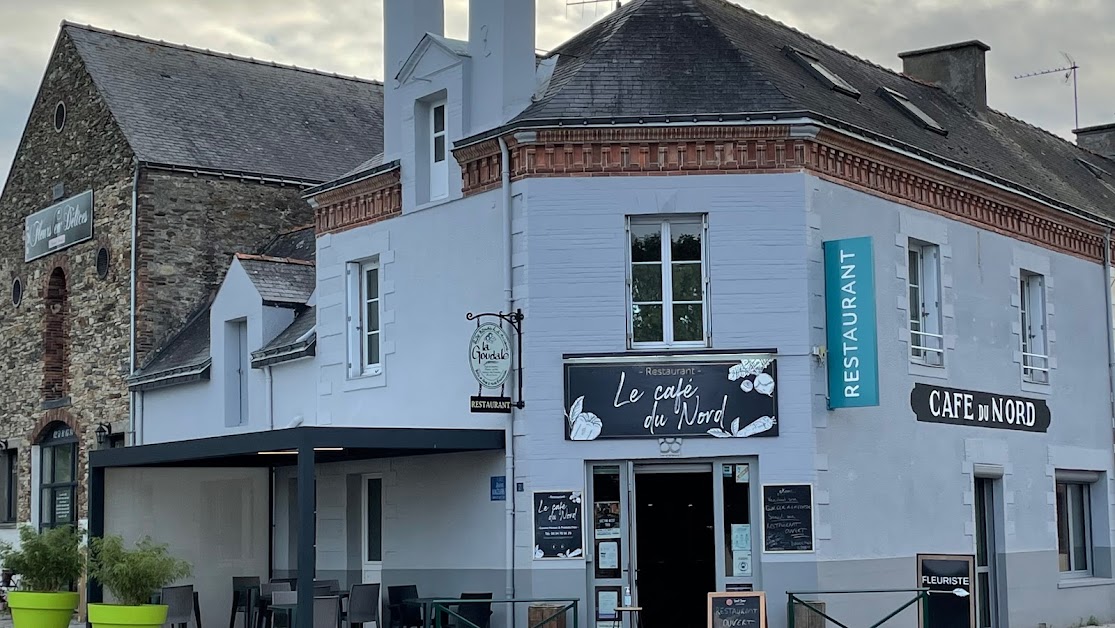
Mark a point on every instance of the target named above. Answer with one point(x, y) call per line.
point(362, 203)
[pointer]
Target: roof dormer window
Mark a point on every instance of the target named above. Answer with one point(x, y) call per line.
point(439, 165)
point(814, 66)
point(911, 110)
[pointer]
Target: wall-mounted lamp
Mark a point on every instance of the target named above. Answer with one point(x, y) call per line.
point(103, 431)
point(3, 447)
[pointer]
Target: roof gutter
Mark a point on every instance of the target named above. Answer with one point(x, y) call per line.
point(356, 177)
point(231, 174)
point(794, 118)
point(172, 377)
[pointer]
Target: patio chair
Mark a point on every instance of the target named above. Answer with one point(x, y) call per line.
point(404, 615)
point(181, 606)
point(293, 582)
point(326, 586)
point(241, 603)
point(280, 597)
point(479, 613)
point(266, 595)
point(327, 611)
point(363, 605)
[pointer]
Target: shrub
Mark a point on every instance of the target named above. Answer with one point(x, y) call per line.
point(46, 562)
point(133, 576)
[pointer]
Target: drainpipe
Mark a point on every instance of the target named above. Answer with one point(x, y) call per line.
point(132, 315)
point(270, 397)
point(509, 438)
point(1110, 327)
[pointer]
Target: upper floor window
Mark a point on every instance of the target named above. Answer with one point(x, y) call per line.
point(365, 355)
point(237, 369)
point(58, 473)
point(667, 282)
point(927, 342)
point(1035, 348)
point(439, 165)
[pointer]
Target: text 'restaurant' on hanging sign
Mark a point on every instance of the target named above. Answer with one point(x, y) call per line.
point(708, 395)
point(853, 355)
point(489, 355)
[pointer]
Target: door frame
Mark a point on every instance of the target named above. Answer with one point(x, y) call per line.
point(987, 488)
point(371, 572)
point(628, 469)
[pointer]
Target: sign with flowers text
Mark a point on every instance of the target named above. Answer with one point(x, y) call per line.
point(706, 395)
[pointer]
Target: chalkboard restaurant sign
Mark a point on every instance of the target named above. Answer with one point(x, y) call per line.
point(706, 395)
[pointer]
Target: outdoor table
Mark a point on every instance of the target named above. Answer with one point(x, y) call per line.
point(427, 604)
point(633, 612)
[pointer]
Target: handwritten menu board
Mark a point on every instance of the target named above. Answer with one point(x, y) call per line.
point(558, 527)
point(788, 517)
point(737, 610)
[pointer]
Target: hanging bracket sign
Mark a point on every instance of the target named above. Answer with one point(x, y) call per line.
point(935, 404)
point(491, 361)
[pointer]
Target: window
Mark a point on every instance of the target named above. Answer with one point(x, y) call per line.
point(237, 370)
point(373, 520)
point(911, 110)
point(820, 72)
point(9, 485)
point(927, 344)
point(57, 506)
point(1035, 349)
point(365, 330)
point(439, 165)
point(1074, 543)
point(667, 282)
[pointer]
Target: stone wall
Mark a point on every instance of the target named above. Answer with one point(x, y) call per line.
point(89, 152)
point(189, 229)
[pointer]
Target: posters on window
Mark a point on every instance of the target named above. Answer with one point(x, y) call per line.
point(607, 555)
point(606, 518)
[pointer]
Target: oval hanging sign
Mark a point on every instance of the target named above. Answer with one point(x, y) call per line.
point(489, 355)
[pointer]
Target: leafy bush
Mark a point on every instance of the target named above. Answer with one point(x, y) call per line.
point(48, 561)
point(133, 576)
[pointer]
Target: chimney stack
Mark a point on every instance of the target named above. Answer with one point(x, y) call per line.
point(501, 39)
point(959, 69)
point(1098, 139)
point(405, 22)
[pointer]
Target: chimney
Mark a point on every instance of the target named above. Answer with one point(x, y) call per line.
point(1098, 139)
point(501, 45)
point(959, 69)
point(404, 24)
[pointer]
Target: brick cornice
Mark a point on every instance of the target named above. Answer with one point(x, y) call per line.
point(50, 417)
point(361, 203)
point(847, 161)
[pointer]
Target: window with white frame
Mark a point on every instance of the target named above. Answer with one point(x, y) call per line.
point(1074, 528)
point(439, 164)
point(369, 318)
point(927, 343)
point(667, 282)
point(1035, 348)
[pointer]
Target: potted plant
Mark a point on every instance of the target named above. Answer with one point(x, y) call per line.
point(48, 564)
point(133, 577)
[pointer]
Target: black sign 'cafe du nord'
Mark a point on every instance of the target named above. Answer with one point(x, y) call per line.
point(707, 395)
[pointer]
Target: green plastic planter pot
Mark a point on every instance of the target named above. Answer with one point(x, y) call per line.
point(115, 616)
point(42, 610)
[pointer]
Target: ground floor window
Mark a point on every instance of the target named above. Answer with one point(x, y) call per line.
point(57, 506)
point(1074, 546)
point(9, 486)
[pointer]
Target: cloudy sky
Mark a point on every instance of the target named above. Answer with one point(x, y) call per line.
point(345, 36)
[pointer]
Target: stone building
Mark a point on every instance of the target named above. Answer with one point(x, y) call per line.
point(143, 166)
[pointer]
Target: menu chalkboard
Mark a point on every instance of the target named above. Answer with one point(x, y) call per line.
point(788, 517)
point(737, 610)
point(558, 531)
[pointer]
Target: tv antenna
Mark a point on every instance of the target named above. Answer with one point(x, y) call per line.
point(1070, 75)
point(595, 5)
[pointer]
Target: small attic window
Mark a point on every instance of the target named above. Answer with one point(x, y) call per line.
point(911, 110)
point(814, 66)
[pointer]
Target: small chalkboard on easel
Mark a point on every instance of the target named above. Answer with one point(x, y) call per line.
point(737, 609)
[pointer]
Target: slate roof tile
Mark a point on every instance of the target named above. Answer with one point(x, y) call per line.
point(188, 107)
point(280, 280)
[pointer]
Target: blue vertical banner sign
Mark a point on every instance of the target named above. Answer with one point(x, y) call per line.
point(853, 342)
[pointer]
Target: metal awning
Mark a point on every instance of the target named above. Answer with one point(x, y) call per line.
point(301, 446)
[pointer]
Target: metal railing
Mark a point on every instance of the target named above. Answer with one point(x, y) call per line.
point(1035, 367)
point(437, 610)
point(792, 601)
point(921, 350)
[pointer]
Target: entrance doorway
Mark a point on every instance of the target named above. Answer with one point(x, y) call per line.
point(675, 547)
point(987, 585)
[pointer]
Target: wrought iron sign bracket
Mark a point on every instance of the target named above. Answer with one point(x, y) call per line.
point(515, 319)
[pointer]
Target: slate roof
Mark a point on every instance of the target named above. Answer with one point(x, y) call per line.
point(280, 281)
point(195, 108)
point(693, 57)
point(185, 357)
point(293, 342)
point(300, 244)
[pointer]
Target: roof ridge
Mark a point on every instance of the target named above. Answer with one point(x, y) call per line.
point(215, 53)
point(276, 260)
